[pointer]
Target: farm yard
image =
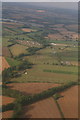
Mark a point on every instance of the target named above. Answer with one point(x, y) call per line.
point(39, 62)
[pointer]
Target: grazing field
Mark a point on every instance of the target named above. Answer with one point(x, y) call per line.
point(31, 88)
point(4, 63)
point(18, 49)
point(43, 109)
point(69, 102)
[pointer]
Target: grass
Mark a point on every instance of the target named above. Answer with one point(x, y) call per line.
point(12, 62)
point(36, 74)
point(64, 72)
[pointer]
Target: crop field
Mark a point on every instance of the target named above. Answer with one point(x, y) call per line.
point(18, 49)
point(32, 88)
point(43, 109)
point(69, 102)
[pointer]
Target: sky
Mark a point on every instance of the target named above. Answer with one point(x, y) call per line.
point(39, 0)
point(69, 4)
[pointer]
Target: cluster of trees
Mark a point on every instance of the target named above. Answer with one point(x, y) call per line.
point(32, 50)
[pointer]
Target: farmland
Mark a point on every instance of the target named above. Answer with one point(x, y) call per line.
point(69, 106)
point(42, 109)
point(18, 49)
point(33, 88)
point(39, 62)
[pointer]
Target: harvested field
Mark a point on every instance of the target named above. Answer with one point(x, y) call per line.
point(3, 63)
point(43, 109)
point(32, 88)
point(5, 51)
point(69, 102)
point(7, 114)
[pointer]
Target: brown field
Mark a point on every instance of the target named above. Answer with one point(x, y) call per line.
point(7, 114)
point(3, 63)
point(69, 102)
point(43, 109)
point(6, 100)
point(32, 88)
point(27, 30)
point(63, 33)
point(56, 36)
point(5, 51)
point(40, 11)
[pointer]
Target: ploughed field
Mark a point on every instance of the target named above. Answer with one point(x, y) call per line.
point(6, 100)
point(7, 114)
point(3, 63)
point(69, 102)
point(46, 108)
